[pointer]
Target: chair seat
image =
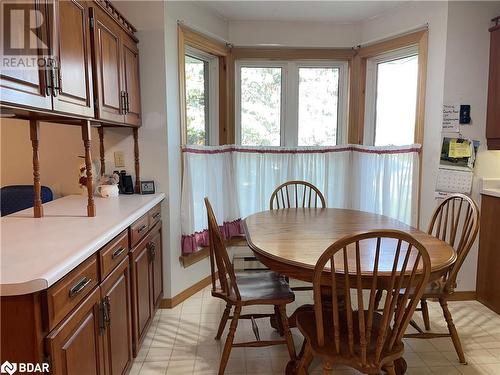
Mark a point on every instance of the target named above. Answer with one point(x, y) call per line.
point(266, 288)
point(306, 322)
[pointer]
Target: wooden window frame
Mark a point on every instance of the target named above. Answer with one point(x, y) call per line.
point(193, 39)
point(282, 55)
point(419, 39)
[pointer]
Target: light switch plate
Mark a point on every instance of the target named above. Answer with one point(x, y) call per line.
point(119, 159)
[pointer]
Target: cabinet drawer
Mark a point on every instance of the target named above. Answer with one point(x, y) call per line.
point(112, 254)
point(138, 229)
point(154, 215)
point(63, 296)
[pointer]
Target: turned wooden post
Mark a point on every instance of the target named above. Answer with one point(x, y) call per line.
point(35, 142)
point(101, 149)
point(88, 164)
point(136, 159)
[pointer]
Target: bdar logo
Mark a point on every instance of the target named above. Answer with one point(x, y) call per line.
point(8, 368)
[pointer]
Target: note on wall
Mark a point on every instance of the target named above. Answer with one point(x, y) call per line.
point(459, 148)
point(451, 115)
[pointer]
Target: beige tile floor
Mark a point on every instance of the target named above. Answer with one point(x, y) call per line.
point(181, 341)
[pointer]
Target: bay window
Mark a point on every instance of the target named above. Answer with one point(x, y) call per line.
point(291, 103)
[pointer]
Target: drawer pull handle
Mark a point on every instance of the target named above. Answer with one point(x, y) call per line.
point(79, 286)
point(142, 228)
point(156, 215)
point(117, 252)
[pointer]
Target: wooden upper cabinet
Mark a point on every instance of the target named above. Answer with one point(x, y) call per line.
point(76, 346)
point(493, 113)
point(131, 85)
point(95, 73)
point(108, 68)
point(25, 86)
point(74, 67)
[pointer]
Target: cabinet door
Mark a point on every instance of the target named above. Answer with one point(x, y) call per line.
point(493, 114)
point(72, 49)
point(107, 67)
point(75, 345)
point(130, 55)
point(115, 292)
point(157, 266)
point(141, 292)
point(25, 87)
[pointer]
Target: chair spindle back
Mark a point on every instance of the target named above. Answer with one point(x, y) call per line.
point(220, 264)
point(392, 251)
point(456, 222)
point(296, 194)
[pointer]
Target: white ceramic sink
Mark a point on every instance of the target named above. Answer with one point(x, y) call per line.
point(490, 186)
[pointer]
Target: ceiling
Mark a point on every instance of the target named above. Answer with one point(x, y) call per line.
point(306, 11)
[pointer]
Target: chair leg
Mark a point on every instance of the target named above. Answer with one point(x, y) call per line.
point(327, 367)
point(229, 340)
point(453, 331)
point(306, 357)
point(279, 324)
point(223, 321)
point(389, 368)
point(286, 331)
point(425, 314)
point(378, 297)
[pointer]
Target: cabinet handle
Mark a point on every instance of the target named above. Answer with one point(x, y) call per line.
point(151, 246)
point(157, 215)
point(107, 310)
point(141, 228)
point(117, 252)
point(123, 105)
point(127, 110)
point(79, 286)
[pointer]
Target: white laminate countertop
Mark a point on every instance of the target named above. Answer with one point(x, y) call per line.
point(36, 253)
point(490, 186)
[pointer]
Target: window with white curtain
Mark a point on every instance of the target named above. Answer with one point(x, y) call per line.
point(391, 98)
point(291, 103)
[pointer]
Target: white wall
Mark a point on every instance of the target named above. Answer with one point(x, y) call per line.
point(466, 82)
point(294, 34)
point(160, 133)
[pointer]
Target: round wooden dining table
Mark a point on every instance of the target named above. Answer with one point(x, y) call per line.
point(290, 241)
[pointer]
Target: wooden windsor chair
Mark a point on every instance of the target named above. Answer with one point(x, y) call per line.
point(246, 289)
point(338, 328)
point(456, 222)
point(296, 194)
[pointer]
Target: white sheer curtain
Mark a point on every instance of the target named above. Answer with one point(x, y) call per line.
point(239, 182)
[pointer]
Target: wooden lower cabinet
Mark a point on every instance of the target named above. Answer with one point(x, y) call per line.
point(146, 265)
point(93, 320)
point(488, 288)
point(115, 293)
point(75, 346)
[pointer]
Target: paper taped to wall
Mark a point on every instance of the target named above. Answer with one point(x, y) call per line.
point(451, 116)
point(454, 181)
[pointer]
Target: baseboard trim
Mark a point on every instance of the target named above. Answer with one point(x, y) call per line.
point(168, 303)
point(463, 296)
